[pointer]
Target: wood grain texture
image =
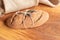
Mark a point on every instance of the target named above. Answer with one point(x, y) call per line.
point(48, 31)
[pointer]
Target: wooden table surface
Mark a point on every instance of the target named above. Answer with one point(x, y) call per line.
point(48, 31)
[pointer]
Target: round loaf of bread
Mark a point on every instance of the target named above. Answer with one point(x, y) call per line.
point(27, 19)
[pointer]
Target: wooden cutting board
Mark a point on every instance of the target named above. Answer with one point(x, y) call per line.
point(48, 31)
